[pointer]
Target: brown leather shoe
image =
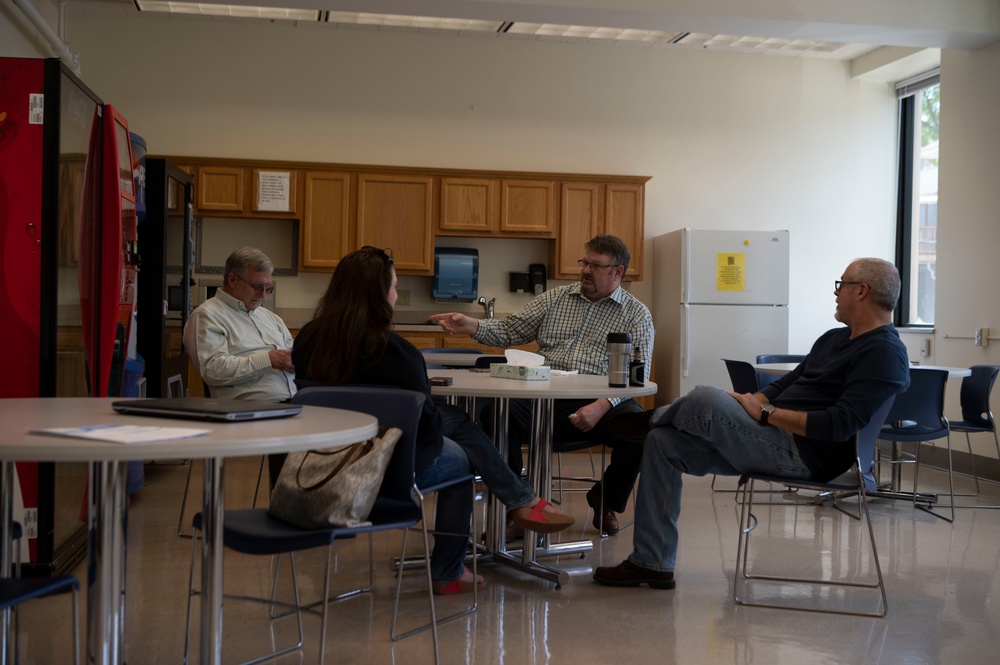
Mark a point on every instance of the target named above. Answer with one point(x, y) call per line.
point(628, 574)
point(605, 522)
point(633, 426)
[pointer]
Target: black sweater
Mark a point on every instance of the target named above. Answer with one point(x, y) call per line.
point(401, 366)
point(841, 383)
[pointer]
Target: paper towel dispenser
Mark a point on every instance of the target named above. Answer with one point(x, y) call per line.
point(456, 274)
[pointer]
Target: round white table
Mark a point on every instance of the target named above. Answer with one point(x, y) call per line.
point(467, 383)
point(785, 368)
point(315, 427)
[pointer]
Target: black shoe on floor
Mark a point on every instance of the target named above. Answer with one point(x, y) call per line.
point(628, 574)
point(606, 521)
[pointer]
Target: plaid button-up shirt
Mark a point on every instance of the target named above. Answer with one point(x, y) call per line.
point(572, 331)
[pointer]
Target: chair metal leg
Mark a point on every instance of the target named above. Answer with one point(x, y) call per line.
point(271, 602)
point(76, 626)
point(951, 487)
point(180, 517)
point(435, 621)
point(996, 443)
point(743, 575)
point(260, 475)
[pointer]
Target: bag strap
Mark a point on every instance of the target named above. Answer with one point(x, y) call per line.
point(366, 447)
point(349, 450)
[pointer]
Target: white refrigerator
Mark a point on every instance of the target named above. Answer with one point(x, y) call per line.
point(716, 294)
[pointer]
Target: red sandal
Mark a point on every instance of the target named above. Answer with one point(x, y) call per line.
point(536, 519)
point(464, 584)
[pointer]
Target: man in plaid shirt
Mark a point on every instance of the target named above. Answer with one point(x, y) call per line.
point(571, 325)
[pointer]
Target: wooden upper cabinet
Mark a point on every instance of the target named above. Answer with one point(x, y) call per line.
point(580, 216)
point(469, 206)
point(326, 224)
point(528, 207)
point(624, 217)
point(589, 209)
point(221, 189)
point(397, 212)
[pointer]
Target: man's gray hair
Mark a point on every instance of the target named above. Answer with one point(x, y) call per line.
point(882, 279)
point(246, 258)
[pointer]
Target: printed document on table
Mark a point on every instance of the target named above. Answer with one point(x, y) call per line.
point(123, 433)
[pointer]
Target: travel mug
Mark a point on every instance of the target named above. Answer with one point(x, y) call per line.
point(619, 354)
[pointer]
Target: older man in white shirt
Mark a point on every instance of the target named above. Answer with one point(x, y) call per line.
point(242, 350)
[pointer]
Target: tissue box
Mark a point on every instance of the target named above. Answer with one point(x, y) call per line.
point(522, 372)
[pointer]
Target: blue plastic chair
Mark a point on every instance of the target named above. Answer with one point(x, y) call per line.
point(780, 358)
point(743, 375)
point(976, 414)
point(850, 483)
point(399, 505)
point(917, 416)
point(17, 590)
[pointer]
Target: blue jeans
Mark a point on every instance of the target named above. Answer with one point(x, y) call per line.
point(626, 454)
point(705, 432)
point(454, 511)
point(509, 487)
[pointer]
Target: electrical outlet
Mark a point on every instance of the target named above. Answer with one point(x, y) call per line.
point(982, 336)
point(403, 297)
point(925, 348)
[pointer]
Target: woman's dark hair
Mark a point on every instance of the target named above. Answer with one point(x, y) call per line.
point(352, 320)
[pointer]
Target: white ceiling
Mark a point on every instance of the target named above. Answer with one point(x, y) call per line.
point(832, 29)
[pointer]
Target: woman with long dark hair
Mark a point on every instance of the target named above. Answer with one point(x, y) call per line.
point(350, 340)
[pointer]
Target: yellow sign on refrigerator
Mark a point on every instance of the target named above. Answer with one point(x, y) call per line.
point(730, 272)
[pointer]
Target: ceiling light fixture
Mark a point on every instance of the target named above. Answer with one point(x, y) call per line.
point(232, 11)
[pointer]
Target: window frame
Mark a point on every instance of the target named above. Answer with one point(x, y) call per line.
point(908, 93)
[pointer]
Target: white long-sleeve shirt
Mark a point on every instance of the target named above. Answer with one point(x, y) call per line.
point(229, 347)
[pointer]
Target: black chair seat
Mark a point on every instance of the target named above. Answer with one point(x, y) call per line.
point(910, 434)
point(963, 426)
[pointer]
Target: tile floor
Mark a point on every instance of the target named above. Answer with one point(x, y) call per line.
point(941, 579)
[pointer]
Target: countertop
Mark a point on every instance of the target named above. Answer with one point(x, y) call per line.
point(295, 318)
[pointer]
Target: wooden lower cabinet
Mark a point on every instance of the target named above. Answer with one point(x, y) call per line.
point(421, 340)
point(440, 340)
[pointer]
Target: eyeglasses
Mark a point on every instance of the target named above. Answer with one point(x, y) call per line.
point(584, 264)
point(381, 252)
point(258, 288)
point(839, 283)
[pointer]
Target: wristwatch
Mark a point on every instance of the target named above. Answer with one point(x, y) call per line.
point(765, 411)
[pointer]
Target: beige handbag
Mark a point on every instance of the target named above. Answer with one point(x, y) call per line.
point(317, 489)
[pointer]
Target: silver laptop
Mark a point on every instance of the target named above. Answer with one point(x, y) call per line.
point(199, 408)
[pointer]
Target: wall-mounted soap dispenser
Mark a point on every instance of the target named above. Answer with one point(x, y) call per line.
point(536, 277)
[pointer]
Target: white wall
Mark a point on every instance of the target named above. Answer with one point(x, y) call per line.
point(731, 141)
point(17, 38)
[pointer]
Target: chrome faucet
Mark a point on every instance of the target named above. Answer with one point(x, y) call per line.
point(487, 306)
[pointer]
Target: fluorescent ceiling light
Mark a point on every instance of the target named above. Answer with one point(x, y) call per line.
point(541, 31)
point(420, 22)
point(234, 11)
